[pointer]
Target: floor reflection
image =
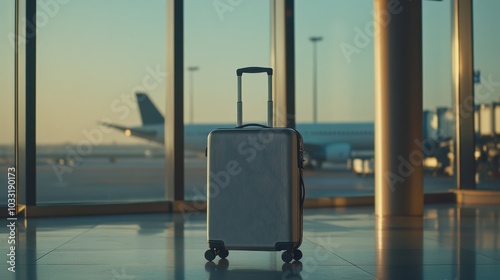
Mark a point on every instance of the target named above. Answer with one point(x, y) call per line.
point(26, 249)
point(177, 255)
point(399, 247)
point(449, 242)
point(464, 243)
point(221, 270)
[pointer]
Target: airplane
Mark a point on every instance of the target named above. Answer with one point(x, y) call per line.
point(323, 142)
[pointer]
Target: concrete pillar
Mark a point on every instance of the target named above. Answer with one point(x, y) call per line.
point(398, 108)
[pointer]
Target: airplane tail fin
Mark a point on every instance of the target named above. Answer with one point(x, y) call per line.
point(149, 112)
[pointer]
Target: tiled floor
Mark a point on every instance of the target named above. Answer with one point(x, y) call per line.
point(448, 243)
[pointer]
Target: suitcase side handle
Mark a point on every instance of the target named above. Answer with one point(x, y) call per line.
point(239, 103)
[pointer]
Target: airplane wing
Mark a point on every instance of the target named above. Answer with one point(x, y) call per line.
point(131, 131)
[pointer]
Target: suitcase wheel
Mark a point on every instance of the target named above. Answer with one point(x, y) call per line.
point(210, 255)
point(297, 254)
point(287, 256)
point(223, 254)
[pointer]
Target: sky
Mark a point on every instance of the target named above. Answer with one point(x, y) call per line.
point(94, 54)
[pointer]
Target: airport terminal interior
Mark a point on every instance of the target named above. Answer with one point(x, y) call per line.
point(107, 106)
point(449, 242)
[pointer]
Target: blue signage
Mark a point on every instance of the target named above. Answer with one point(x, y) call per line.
point(477, 76)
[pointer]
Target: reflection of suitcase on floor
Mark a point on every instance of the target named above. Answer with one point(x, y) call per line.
point(255, 190)
point(221, 271)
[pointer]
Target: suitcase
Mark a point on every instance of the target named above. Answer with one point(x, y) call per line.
point(255, 191)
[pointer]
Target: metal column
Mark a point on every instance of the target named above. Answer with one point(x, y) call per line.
point(174, 120)
point(25, 99)
point(283, 61)
point(398, 108)
point(463, 86)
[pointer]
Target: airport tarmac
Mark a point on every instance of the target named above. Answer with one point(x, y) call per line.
point(142, 179)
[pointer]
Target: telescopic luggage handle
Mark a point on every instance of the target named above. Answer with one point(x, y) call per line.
point(239, 104)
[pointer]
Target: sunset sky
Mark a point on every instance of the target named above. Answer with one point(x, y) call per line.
point(94, 54)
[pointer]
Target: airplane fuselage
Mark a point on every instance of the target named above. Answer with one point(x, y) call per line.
point(332, 142)
point(354, 136)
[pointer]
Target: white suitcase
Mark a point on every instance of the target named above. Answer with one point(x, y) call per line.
point(255, 190)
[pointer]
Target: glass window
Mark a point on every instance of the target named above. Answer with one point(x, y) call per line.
point(7, 32)
point(487, 93)
point(335, 62)
point(438, 116)
point(94, 57)
point(220, 37)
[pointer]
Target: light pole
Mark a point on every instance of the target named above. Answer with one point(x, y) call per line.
point(191, 69)
point(315, 40)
